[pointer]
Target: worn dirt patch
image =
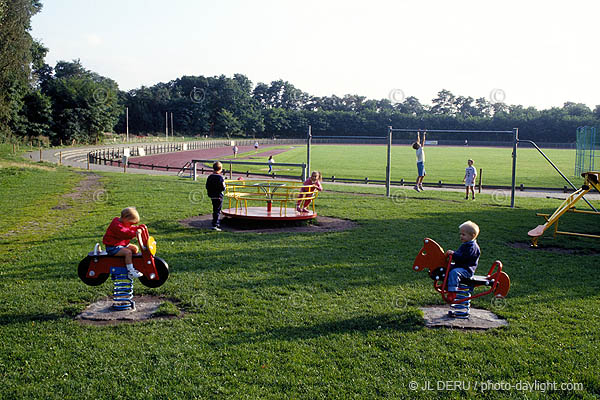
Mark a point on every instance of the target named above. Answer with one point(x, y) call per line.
point(101, 313)
point(12, 164)
point(87, 190)
point(437, 317)
point(553, 249)
point(321, 225)
point(86, 187)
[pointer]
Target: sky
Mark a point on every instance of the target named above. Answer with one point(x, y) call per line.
point(528, 52)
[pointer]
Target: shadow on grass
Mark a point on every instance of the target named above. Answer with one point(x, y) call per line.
point(409, 321)
point(29, 318)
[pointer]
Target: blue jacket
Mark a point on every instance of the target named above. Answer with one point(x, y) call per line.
point(467, 256)
point(215, 185)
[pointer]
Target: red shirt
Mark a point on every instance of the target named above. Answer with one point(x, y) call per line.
point(118, 234)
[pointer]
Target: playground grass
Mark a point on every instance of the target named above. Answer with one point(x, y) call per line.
point(303, 316)
point(446, 164)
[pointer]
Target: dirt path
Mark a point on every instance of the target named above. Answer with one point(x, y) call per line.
point(69, 207)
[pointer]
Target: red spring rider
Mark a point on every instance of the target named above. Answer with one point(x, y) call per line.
point(433, 258)
point(94, 269)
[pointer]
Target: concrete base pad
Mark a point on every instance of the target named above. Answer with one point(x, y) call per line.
point(437, 317)
point(101, 312)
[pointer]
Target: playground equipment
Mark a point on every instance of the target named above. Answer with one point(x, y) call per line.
point(266, 192)
point(94, 269)
point(591, 182)
point(388, 140)
point(514, 132)
point(587, 144)
point(433, 258)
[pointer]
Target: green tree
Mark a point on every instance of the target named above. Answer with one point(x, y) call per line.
point(444, 104)
point(85, 104)
point(16, 55)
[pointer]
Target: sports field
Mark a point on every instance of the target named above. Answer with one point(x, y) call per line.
point(287, 315)
point(442, 163)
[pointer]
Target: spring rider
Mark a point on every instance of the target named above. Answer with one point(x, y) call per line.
point(94, 270)
point(433, 258)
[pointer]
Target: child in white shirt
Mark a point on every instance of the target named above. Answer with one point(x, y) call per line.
point(469, 180)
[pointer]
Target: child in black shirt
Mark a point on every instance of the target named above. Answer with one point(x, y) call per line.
point(215, 185)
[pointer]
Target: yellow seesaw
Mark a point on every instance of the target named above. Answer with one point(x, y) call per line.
point(592, 179)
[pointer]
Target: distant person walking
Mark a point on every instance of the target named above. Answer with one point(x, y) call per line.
point(271, 162)
point(255, 145)
point(235, 151)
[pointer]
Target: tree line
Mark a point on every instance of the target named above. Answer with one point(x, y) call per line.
point(68, 103)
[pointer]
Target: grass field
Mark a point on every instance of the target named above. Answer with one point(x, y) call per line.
point(442, 163)
point(298, 316)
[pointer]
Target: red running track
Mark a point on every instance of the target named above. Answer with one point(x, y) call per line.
point(180, 158)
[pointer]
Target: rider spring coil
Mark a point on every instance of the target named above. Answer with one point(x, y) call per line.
point(122, 289)
point(462, 309)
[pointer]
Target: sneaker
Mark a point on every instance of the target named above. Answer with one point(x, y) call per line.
point(421, 187)
point(216, 228)
point(473, 198)
point(416, 188)
point(134, 273)
point(305, 210)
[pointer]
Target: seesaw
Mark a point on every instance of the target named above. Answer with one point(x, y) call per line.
point(591, 181)
point(433, 258)
point(94, 270)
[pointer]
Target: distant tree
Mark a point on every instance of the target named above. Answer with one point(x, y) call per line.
point(577, 109)
point(85, 104)
point(499, 108)
point(227, 124)
point(597, 112)
point(464, 106)
point(444, 104)
point(411, 106)
point(483, 108)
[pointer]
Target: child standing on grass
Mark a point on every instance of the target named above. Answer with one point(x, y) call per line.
point(465, 259)
point(420, 161)
point(119, 233)
point(215, 185)
point(271, 162)
point(469, 180)
point(311, 184)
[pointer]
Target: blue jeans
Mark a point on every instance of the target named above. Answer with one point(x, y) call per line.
point(454, 277)
point(112, 250)
point(217, 203)
point(421, 168)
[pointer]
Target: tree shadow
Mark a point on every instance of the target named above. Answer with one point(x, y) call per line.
point(409, 321)
point(29, 318)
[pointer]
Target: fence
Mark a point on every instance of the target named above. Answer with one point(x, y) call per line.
point(114, 155)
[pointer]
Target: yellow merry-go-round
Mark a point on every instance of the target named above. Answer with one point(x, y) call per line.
point(269, 200)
